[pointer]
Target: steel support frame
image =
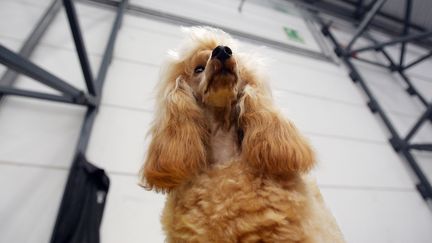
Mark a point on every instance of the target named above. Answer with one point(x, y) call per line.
point(186, 21)
point(401, 145)
point(354, 10)
point(19, 63)
point(10, 76)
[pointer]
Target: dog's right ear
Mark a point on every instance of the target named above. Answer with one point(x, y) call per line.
point(271, 144)
point(179, 138)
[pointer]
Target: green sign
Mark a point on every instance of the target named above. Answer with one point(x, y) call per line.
point(293, 35)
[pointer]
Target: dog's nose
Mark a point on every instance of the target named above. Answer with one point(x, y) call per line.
point(222, 53)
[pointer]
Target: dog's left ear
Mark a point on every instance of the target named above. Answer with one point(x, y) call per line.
point(271, 144)
point(177, 151)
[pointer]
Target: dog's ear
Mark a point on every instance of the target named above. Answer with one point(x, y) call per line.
point(178, 147)
point(271, 144)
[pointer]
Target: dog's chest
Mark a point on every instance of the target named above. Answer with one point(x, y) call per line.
point(223, 145)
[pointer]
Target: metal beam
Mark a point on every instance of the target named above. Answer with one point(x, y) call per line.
point(424, 186)
point(333, 9)
point(371, 62)
point(10, 76)
point(420, 59)
point(365, 22)
point(79, 45)
point(423, 147)
point(395, 41)
point(412, 90)
point(38, 95)
point(108, 53)
point(407, 20)
point(22, 65)
point(425, 116)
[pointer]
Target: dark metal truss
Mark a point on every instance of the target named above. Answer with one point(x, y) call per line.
point(356, 10)
point(401, 144)
point(19, 63)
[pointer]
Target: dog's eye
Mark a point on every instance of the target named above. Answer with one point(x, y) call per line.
point(199, 69)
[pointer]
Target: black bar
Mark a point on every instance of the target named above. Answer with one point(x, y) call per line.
point(365, 22)
point(371, 62)
point(91, 113)
point(408, 7)
point(22, 65)
point(108, 53)
point(395, 41)
point(424, 147)
point(383, 51)
point(86, 131)
point(10, 76)
point(39, 95)
point(418, 60)
point(425, 116)
point(79, 45)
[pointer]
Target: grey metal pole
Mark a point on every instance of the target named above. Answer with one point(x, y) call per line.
point(395, 41)
point(420, 59)
point(408, 7)
point(10, 76)
point(79, 45)
point(365, 23)
point(39, 95)
point(108, 53)
point(22, 65)
point(426, 115)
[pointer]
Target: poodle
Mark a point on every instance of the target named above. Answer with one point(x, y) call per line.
point(233, 168)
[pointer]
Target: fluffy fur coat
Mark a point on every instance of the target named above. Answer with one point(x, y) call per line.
point(234, 169)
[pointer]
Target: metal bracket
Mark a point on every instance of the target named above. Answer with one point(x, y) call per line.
point(397, 144)
point(372, 106)
point(354, 76)
point(424, 191)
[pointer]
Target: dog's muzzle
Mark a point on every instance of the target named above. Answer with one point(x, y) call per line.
point(222, 78)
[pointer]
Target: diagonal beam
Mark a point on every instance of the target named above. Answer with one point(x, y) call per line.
point(108, 53)
point(425, 116)
point(79, 45)
point(420, 59)
point(24, 66)
point(394, 41)
point(26, 50)
point(365, 23)
point(39, 95)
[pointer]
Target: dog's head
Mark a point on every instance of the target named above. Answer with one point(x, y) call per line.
point(208, 72)
point(210, 66)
